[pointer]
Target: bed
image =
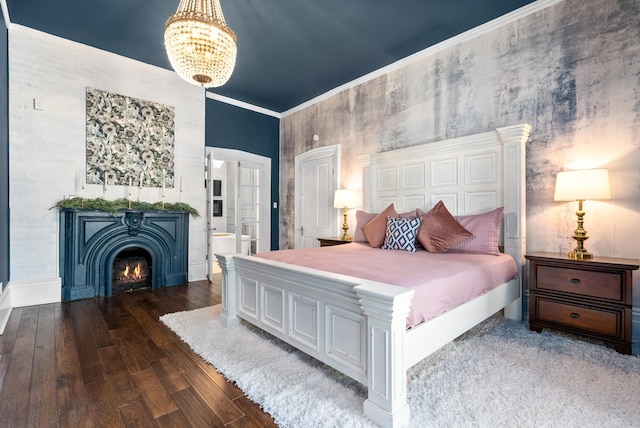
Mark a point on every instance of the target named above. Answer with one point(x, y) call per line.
point(359, 326)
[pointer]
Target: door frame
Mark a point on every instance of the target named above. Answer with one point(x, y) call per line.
point(264, 164)
point(331, 152)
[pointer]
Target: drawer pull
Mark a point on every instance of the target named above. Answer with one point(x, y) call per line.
point(574, 315)
point(575, 281)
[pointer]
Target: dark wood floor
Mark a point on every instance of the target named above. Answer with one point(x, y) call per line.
point(110, 362)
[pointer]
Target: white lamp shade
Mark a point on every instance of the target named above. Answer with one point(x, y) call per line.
point(345, 198)
point(582, 185)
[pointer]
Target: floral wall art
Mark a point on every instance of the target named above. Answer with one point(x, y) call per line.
point(129, 141)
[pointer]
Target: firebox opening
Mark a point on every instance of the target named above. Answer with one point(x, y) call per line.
point(131, 271)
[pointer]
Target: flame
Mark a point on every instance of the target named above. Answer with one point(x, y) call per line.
point(132, 275)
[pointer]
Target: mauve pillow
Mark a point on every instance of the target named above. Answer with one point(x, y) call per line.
point(409, 214)
point(486, 232)
point(364, 217)
point(376, 229)
point(439, 231)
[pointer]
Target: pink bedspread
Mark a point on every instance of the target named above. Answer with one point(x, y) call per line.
point(441, 281)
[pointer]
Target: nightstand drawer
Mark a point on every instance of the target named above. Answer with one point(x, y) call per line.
point(602, 321)
point(604, 285)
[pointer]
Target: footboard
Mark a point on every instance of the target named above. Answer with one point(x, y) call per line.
point(353, 325)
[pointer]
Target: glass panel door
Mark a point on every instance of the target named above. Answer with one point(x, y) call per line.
point(248, 208)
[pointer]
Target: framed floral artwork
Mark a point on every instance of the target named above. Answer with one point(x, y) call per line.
point(129, 141)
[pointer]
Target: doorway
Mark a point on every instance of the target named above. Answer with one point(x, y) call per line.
point(238, 203)
point(317, 177)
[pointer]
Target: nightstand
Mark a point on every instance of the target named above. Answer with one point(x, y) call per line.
point(589, 297)
point(328, 242)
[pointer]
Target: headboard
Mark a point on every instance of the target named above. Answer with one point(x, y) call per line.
point(471, 175)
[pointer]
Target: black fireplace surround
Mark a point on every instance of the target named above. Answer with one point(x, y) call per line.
point(91, 240)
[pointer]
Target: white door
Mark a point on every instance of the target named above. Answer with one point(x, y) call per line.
point(316, 180)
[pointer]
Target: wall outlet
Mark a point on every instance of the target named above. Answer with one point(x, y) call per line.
point(38, 104)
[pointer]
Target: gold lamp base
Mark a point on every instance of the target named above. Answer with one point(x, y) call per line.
point(345, 227)
point(580, 255)
point(580, 235)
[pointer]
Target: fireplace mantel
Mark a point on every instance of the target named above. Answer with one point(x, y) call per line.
point(91, 240)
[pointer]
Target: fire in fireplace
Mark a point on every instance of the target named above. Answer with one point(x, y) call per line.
point(131, 271)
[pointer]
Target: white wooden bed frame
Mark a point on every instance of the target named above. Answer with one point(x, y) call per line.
point(358, 326)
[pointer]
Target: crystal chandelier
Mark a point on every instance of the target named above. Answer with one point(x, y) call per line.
point(200, 46)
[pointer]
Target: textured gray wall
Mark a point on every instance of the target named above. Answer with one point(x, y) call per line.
point(571, 70)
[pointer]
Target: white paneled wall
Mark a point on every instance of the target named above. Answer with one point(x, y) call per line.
point(48, 77)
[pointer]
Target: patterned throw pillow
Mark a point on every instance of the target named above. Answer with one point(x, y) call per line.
point(401, 233)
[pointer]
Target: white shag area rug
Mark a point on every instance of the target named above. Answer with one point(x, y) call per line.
point(497, 375)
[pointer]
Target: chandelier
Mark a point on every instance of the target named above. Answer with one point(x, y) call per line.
point(200, 45)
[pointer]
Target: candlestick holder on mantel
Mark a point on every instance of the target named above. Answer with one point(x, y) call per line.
point(163, 183)
point(129, 192)
point(104, 186)
point(140, 187)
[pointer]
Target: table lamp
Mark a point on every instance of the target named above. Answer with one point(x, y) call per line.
point(579, 186)
point(345, 199)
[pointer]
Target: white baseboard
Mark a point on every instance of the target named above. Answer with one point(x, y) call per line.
point(197, 271)
point(5, 308)
point(31, 293)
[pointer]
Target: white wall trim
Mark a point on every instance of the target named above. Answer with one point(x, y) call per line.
point(18, 294)
point(243, 105)
point(5, 308)
point(197, 271)
point(432, 50)
point(5, 13)
point(220, 153)
point(30, 293)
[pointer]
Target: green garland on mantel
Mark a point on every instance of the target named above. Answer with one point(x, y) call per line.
point(112, 207)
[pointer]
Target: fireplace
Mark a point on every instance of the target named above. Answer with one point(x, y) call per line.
point(131, 271)
point(96, 247)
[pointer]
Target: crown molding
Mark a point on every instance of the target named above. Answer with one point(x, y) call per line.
point(432, 50)
point(5, 13)
point(243, 105)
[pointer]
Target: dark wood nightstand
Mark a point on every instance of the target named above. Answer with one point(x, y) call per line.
point(588, 297)
point(328, 242)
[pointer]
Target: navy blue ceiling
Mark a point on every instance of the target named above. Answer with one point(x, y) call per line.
point(289, 51)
